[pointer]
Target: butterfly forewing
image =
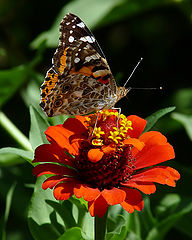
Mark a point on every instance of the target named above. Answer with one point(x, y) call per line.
point(80, 80)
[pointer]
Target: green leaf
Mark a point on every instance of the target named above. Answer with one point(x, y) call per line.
point(38, 127)
point(117, 229)
point(117, 236)
point(72, 234)
point(91, 11)
point(31, 94)
point(131, 8)
point(7, 210)
point(65, 212)
point(147, 220)
point(20, 152)
point(9, 159)
point(135, 224)
point(153, 118)
point(10, 81)
point(160, 229)
point(132, 236)
point(168, 204)
point(186, 121)
point(41, 216)
point(58, 119)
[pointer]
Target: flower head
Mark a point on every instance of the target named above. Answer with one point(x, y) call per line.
point(104, 159)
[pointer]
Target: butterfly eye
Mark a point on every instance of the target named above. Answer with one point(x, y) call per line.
point(58, 103)
point(66, 88)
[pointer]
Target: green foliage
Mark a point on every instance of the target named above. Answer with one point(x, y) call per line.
point(10, 81)
point(38, 127)
point(186, 121)
point(4, 219)
point(151, 120)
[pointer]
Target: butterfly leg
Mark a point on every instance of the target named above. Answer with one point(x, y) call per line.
point(119, 111)
point(90, 137)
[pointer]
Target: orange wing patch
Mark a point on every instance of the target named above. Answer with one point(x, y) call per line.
point(87, 71)
point(62, 61)
point(50, 80)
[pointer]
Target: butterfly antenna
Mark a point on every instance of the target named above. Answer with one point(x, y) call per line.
point(132, 72)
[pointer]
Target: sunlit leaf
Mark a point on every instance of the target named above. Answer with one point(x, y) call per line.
point(90, 11)
point(20, 152)
point(9, 159)
point(65, 212)
point(41, 215)
point(72, 234)
point(117, 231)
point(38, 127)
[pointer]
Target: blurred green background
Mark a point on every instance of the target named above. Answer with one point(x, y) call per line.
point(158, 31)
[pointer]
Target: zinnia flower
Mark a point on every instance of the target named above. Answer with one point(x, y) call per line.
point(104, 159)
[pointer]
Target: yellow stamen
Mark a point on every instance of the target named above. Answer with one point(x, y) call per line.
point(98, 132)
point(115, 136)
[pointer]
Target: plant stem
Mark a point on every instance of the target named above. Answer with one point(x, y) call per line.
point(13, 131)
point(100, 227)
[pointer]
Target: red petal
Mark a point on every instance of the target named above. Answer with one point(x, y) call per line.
point(135, 142)
point(98, 207)
point(153, 155)
point(138, 125)
point(52, 181)
point(113, 196)
point(61, 134)
point(150, 139)
point(133, 200)
point(89, 194)
point(64, 191)
point(144, 187)
point(83, 120)
point(52, 153)
point(161, 174)
point(48, 168)
point(153, 138)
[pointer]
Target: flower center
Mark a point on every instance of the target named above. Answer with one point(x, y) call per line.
point(108, 128)
point(114, 164)
point(109, 172)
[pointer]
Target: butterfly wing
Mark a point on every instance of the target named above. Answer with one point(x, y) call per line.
point(78, 54)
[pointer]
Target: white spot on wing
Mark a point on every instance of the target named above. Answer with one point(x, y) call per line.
point(73, 26)
point(89, 39)
point(81, 25)
point(67, 23)
point(76, 60)
point(71, 39)
point(71, 31)
point(88, 58)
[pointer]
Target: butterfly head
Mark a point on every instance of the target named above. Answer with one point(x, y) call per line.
point(122, 92)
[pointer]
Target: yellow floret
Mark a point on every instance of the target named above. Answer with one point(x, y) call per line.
point(98, 132)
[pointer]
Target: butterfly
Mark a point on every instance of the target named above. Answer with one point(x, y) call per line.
point(80, 81)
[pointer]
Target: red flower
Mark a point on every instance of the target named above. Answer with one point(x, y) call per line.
point(106, 163)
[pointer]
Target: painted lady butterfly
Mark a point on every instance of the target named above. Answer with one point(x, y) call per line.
point(80, 80)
